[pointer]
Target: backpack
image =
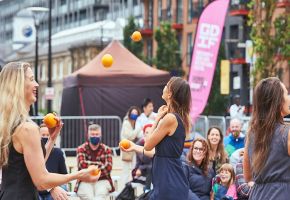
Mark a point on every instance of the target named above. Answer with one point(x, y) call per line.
point(127, 193)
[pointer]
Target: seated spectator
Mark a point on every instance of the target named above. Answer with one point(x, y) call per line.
point(94, 152)
point(217, 153)
point(129, 132)
point(236, 139)
point(142, 171)
point(224, 184)
point(243, 188)
point(54, 164)
point(235, 157)
point(197, 170)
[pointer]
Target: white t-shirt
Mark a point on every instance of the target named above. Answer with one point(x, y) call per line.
point(142, 120)
point(237, 111)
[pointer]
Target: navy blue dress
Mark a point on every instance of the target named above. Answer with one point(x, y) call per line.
point(168, 178)
point(273, 182)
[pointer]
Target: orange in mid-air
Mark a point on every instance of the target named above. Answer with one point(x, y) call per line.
point(94, 172)
point(125, 144)
point(50, 120)
point(107, 60)
point(136, 36)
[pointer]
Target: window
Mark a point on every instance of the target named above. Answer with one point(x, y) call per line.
point(43, 72)
point(83, 14)
point(150, 17)
point(179, 16)
point(159, 10)
point(234, 32)
point(62, 2)
point(189, 48)
point(54, 70)
point(60, 68)
point(189, 11)
point(168, 10)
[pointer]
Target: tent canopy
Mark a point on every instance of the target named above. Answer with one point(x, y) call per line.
point(126, 69)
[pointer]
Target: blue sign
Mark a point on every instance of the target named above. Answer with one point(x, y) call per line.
point(27, 31)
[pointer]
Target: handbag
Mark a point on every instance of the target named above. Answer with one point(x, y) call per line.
point(127, 193)
point(127, 156)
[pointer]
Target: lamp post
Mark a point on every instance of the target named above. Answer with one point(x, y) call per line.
point(49, 83)
point(35, 13)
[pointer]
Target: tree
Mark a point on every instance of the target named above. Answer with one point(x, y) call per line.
point(167, 55)
point(135, 47)
point(217, 103)
point(270, 35)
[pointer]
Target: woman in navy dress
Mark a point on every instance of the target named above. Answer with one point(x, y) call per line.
point(267, 151)
point(167, 137)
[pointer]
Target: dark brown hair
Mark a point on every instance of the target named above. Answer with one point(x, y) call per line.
point(221, 153)
point(268, 101)
point(180, 100)
point(205, 162)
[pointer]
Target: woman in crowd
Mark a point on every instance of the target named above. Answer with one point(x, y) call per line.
point(167, 138)
point(217, 153)
point(21, 154)
point(197, 170)
point(267, 151)
point(130, 132)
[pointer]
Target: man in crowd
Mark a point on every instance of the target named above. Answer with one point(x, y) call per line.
point(94, 152)
point(236, 139)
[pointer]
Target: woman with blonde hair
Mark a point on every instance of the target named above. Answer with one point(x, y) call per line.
point(22, 157)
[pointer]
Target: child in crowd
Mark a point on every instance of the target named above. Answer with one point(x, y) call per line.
point(224, 184)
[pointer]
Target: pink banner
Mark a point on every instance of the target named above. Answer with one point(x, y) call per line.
point(204, 56)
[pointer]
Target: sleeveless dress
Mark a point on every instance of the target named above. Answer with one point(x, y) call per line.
point(273, 182)
point(168, 178)
point(16, 181)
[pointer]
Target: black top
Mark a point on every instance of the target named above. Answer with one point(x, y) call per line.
point(16, 181)
point(55, 164)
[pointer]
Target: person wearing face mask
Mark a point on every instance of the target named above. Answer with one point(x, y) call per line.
point(147, 117)
point(94, 152)
point(236, 139)
point(130, 132)
point(54, 164)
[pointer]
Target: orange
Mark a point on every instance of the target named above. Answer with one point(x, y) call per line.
point(95, 172)
point(136, 36)
point(50, 120)
point(107, 60)
point(125, 144)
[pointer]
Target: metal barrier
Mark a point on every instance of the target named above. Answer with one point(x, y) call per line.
point(201, 125)
point(217, 121)
point(74, 131)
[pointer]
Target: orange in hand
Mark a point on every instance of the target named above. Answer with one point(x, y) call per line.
point(136, 36)
point(107, 60)
point(50, 120)
point(125, 144)
point(95, 172)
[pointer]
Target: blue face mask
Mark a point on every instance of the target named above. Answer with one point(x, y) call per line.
point(133, 116)
point(44, 139)
point(95, 140)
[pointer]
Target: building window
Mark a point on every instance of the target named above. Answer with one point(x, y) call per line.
point(189, 48)
point(168, 10)
point(159, 11)
point(62, 2)
point(234, 32)
point(83, 14)
point(60, 73)
point(54, 71)
point(179, 16)
point(189, 11)
point(149, 51)
point(150, 13)
point(43, 72)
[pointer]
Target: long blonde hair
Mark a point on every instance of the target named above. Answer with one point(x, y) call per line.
point(13, 108)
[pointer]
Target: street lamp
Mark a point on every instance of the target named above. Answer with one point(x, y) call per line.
point(36, 12)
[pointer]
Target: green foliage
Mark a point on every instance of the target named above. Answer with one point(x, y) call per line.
point(271, 40)
point(135, 47)
point(168, 54)
point(217, 103)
